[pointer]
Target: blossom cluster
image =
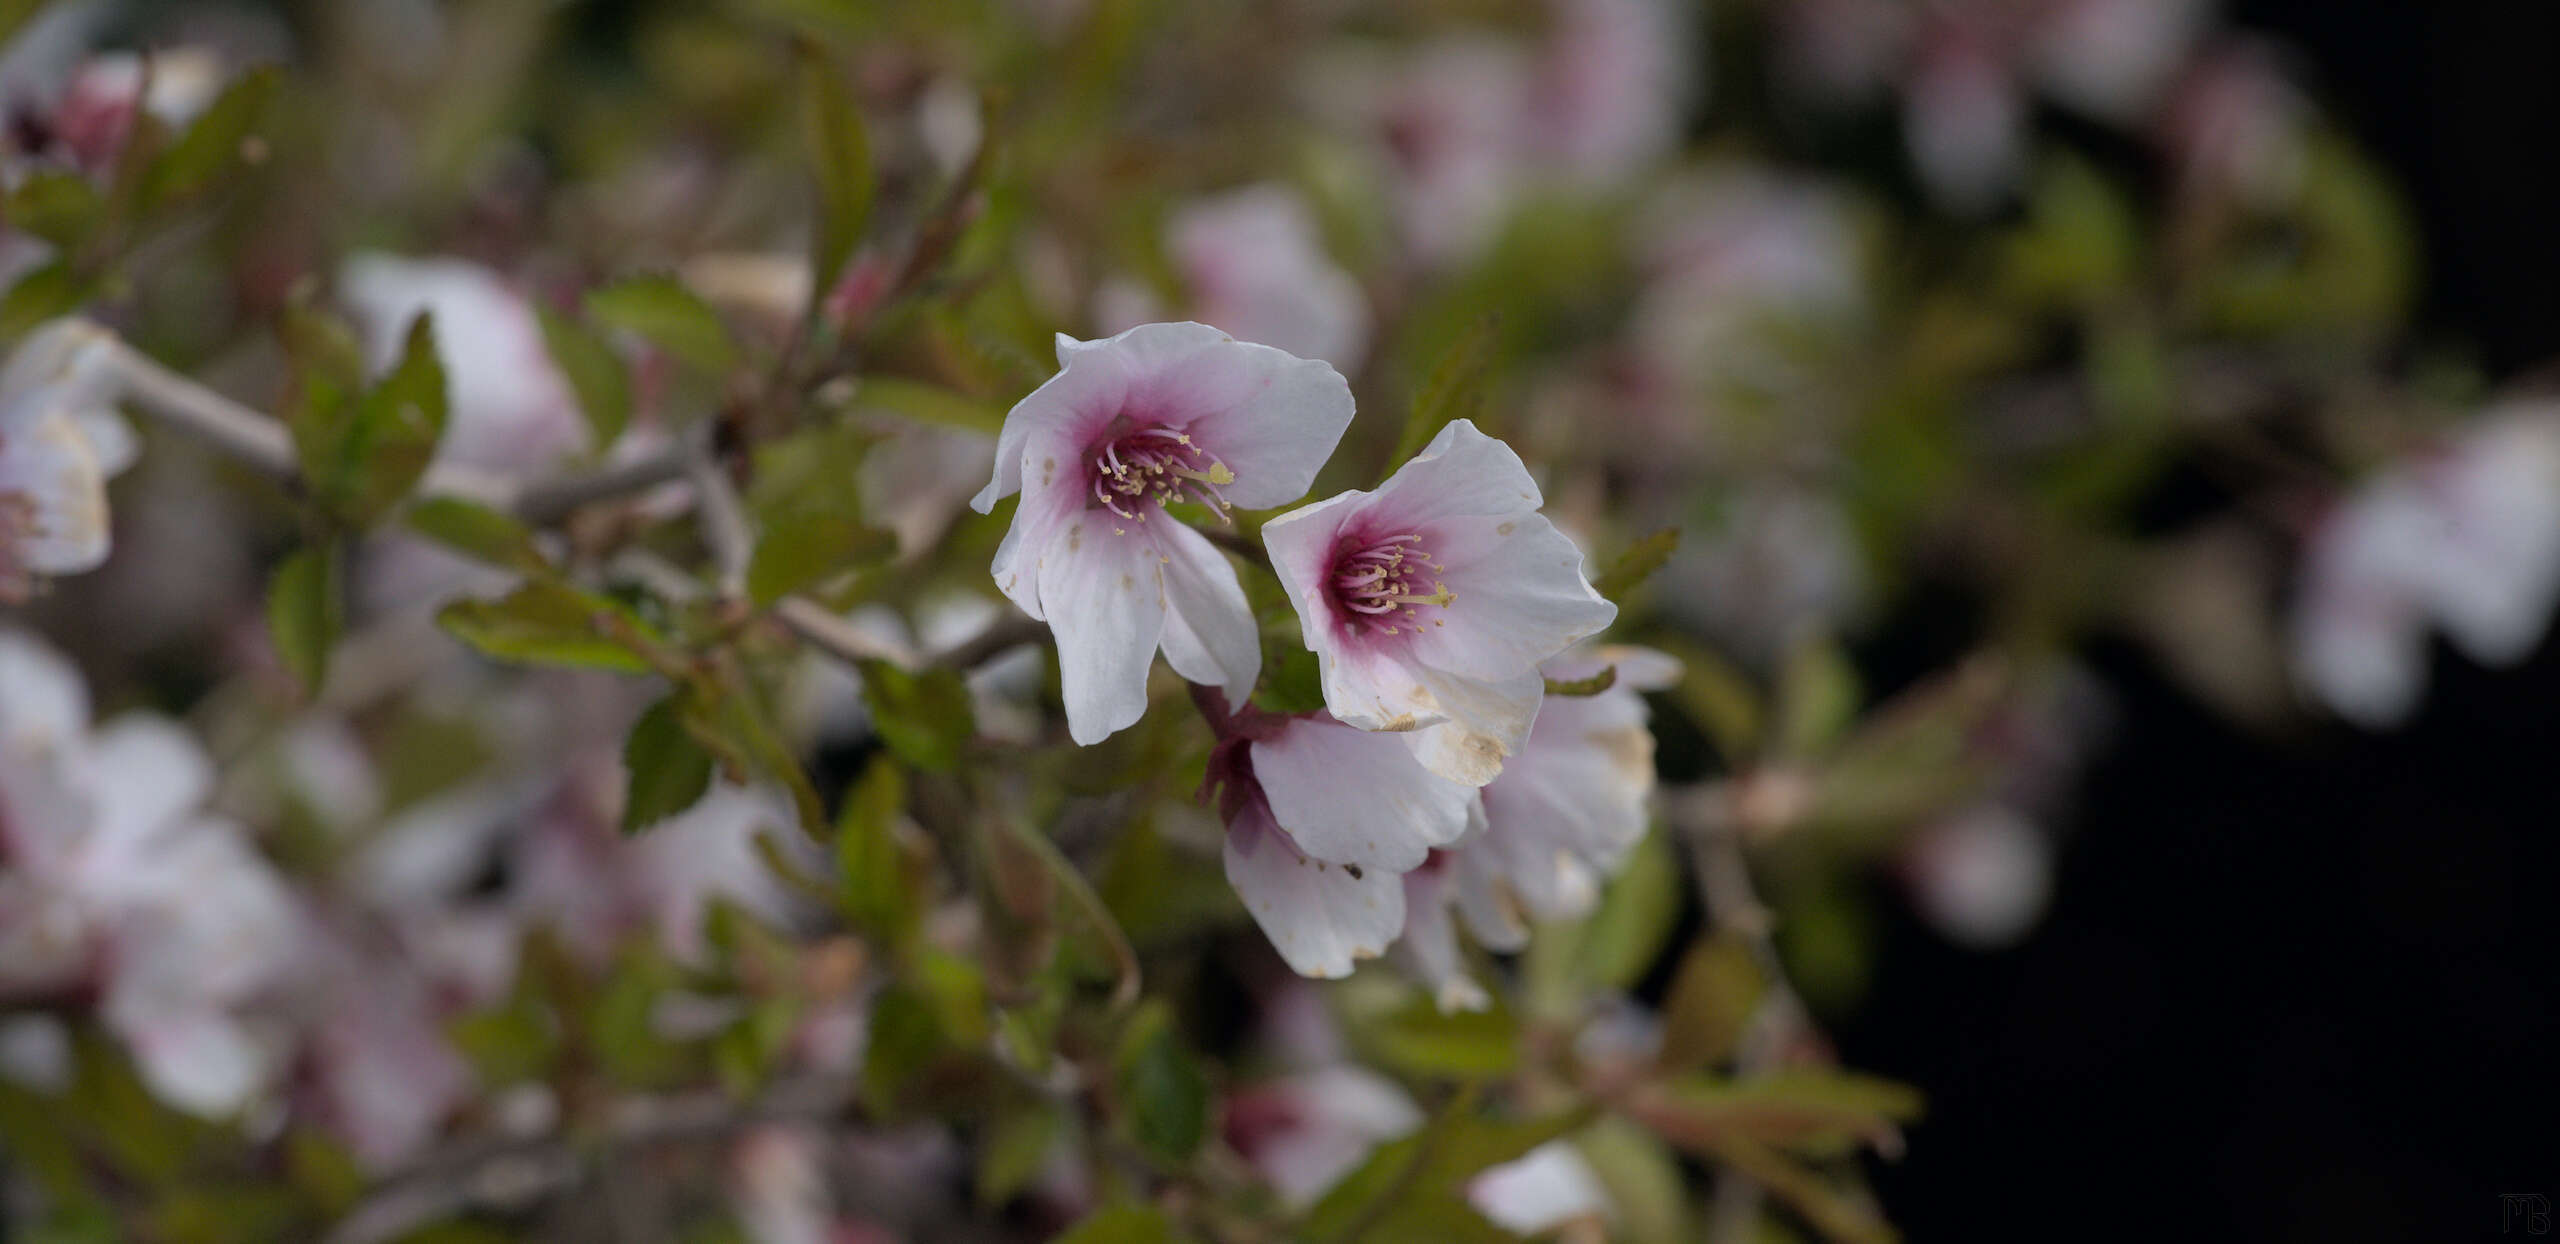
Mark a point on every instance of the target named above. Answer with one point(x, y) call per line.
point(1437, 606)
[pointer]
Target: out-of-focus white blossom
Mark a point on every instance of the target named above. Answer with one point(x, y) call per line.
point(1254, 264)
point(116, 879)
point(1307, 1130)
point(2466, 541)
point(1553, 1186)
point(60, 441)
point(1981, 877)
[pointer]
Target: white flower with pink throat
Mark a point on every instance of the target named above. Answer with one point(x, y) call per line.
point(1322, 820)
point(1430, 602)
point(1163, 414)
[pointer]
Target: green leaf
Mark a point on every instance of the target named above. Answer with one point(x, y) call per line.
point(1711, 1002)
point(1817, 697)
point(1164, 1095)
point(222, 135)
point(1413, 1188)
point(305, 613)
point(804, 549)
point(1293, 682)
point(59, 207)
point(475, 531)
point(661, 311)
point(840, 158)
point(1818, 1113)
point(925, 717)
point(905, 1041)
point(1012, 1152)
point(1636, 916)
point(544, 623)
point(1583, 688)
point(507, 1044)
point(1638, 563)
point(1122, 1224)
point(880, 894)
point(669, 769)
point(596, 375)
point(920, 402)
point(1420, 1038)
point(1456, 390)
point(361, 450)
point(49, 292)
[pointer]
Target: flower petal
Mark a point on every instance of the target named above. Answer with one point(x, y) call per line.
point(1350, 797)
point(1105, 598)
point(1428, 951)
point(48, 463)
point(1487, 722)
point(146, 775)
point(1209, 632)
point(1461, 473)
point(1520, 597)
point(1047, 504)
point(1322, 918)
point(47, 707)
point(1273, 418)
point(1088, 390)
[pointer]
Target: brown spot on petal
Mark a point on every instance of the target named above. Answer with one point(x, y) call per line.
point(1075, 537)
point(1048, 470)
point(1506, 529)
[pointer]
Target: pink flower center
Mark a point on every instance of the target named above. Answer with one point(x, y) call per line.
point(1388, 585)
point(1156, 466)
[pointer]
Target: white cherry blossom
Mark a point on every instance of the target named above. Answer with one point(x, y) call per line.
point(1430, 602)
point(1160, 414)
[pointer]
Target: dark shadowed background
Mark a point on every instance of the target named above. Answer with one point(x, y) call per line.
point(2302, 989)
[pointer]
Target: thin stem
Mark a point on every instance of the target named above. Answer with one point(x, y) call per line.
point(1733, 905)
point(724, 522)
point(265, 444)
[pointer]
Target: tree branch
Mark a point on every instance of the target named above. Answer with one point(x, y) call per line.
point(1706, 819)
point(515, 1171)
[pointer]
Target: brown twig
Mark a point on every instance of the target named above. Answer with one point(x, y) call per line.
point(515, 1171)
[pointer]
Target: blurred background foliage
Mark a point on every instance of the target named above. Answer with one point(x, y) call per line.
point(1939, 344)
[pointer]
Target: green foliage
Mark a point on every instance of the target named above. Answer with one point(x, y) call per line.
point(880, 893)
point(595, 373)
point(1415, 1188)
point(476, 531)
point(1637, 564)
point(1421, 1039)
point(840, 158)
point(305, 612)
point(551, 623)
point(667, 767)
point(227, 133)
point(1123, 1224)
point(1164, 1093)
point(1454, 390)
point(61, 208)
point(1584, 688)
point(924, 716)
point(362, 448)
point(658, 309)
point(1712, 1000)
